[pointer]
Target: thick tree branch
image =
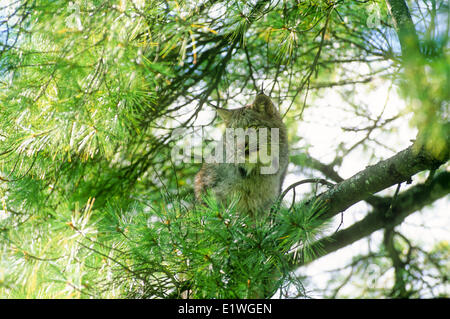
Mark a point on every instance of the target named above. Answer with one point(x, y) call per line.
point(407, 203)
point(328, 171)
point(397, 169)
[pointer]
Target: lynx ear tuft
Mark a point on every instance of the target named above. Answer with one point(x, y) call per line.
point(263, 104)
point(224, 114)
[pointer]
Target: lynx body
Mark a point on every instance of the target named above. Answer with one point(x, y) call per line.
point(256, 190)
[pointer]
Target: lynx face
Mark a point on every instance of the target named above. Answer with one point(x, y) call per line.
point(253, 136)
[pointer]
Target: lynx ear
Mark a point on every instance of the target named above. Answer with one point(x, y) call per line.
point(224, 114)
point(263, 104)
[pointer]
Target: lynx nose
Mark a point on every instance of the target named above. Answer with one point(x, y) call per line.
point(247, 149)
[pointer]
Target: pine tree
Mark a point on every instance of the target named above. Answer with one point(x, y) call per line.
point(92, 203)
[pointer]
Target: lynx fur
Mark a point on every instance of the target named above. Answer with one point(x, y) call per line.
point(256, 191)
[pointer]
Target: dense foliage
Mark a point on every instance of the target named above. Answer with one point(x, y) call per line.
point(92, 204)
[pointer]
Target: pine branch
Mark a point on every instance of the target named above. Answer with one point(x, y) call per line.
point(407, 203)
point(397, 169)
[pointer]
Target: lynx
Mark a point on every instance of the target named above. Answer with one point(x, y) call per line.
point(255, 189)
